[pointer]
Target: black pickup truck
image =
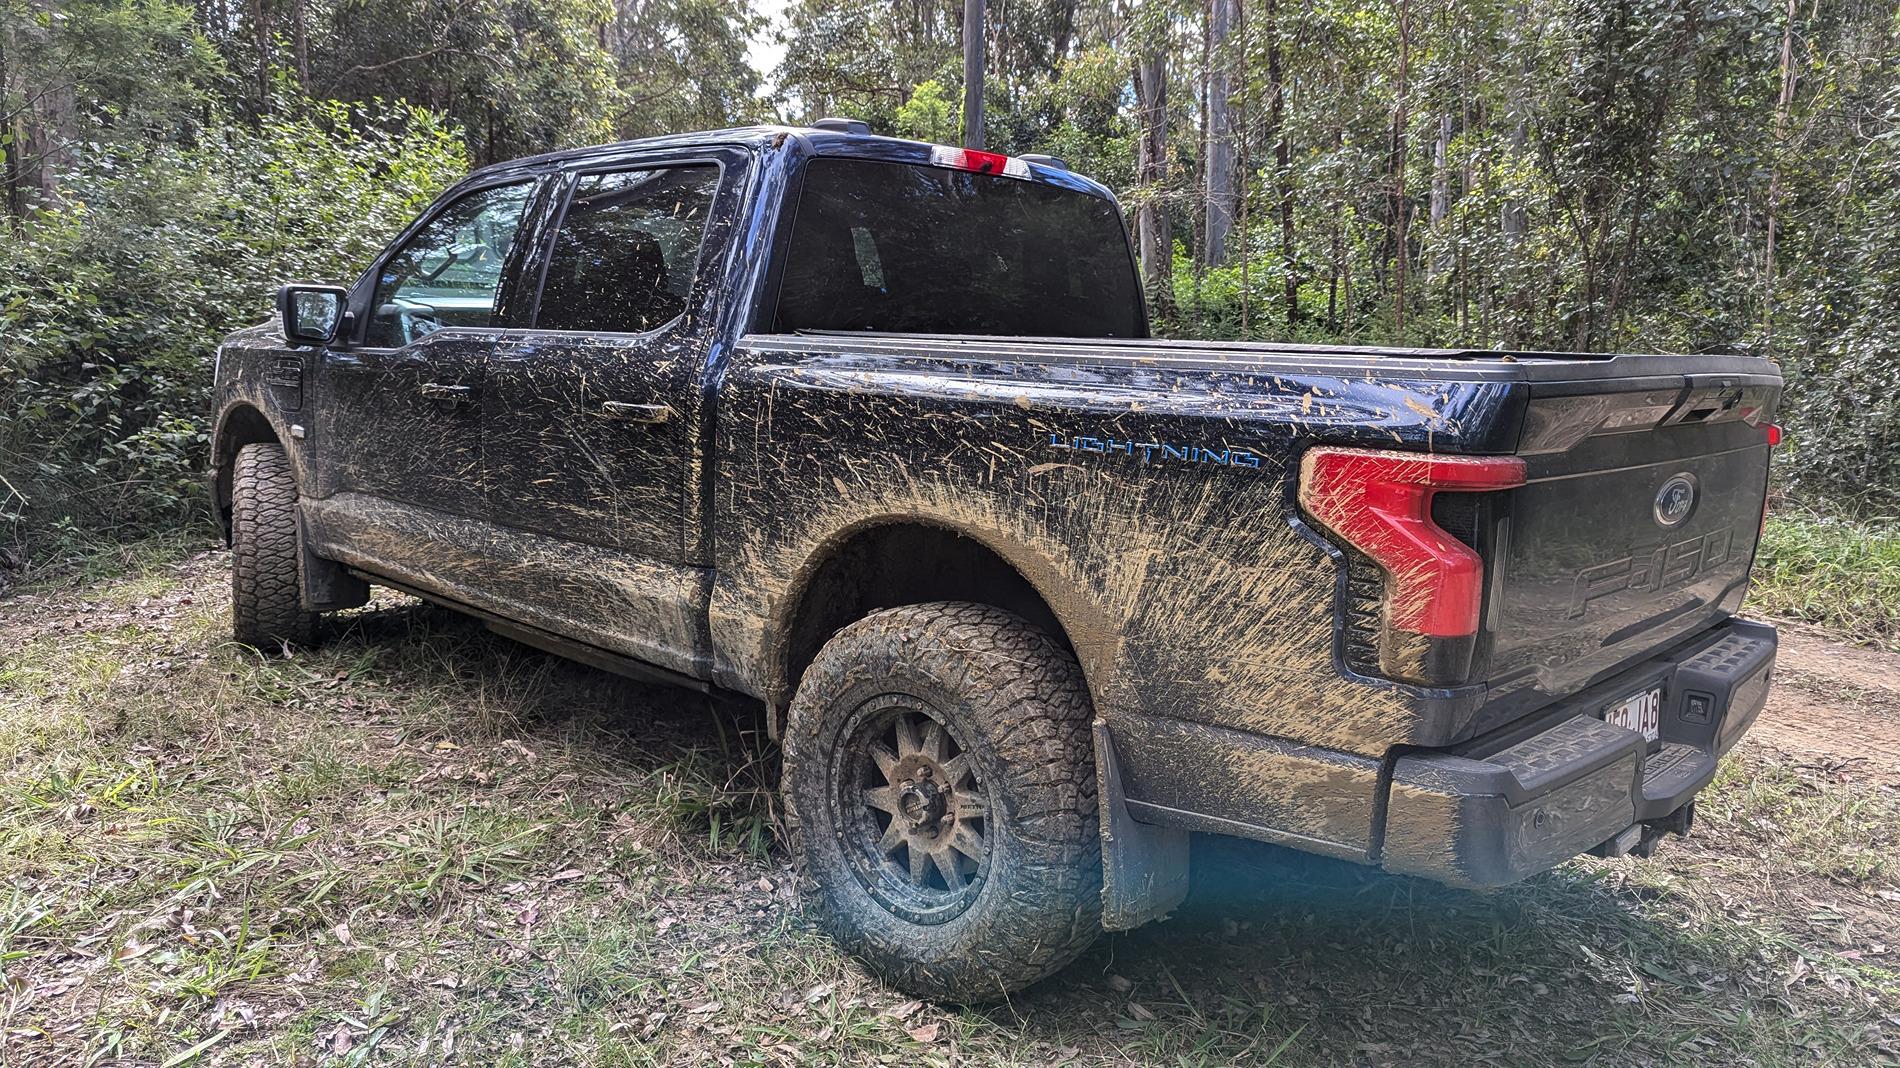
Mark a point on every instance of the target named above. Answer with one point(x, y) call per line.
point(873, 431)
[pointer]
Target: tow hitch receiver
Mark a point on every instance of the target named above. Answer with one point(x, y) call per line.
point(1639, 839)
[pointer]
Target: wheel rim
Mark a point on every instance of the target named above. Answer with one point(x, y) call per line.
point(911, 812)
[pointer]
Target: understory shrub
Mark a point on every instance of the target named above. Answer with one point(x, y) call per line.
point(112, 301)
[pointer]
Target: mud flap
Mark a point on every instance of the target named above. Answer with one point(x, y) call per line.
point(1144, 867)
point(325, 584)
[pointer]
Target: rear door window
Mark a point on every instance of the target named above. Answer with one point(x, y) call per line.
point(627, 251)
point(908, 248)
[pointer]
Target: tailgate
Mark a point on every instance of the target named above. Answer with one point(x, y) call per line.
point(1637, 524)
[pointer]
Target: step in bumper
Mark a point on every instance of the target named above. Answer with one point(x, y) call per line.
point(1532, 797)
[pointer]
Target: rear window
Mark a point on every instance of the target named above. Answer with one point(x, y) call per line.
point(910, 249)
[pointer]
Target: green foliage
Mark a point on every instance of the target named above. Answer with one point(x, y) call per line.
point(1579, 176)
point(112, 302)
point(929, 114)
point(681, 65)
point(1839, 573)
point(518, 76)
point(86, 70)
point(864, 57)
point(1836, 313)
point(1075, 114)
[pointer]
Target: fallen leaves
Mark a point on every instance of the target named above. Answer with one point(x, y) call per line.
point(133, 950)
point(927, 1033)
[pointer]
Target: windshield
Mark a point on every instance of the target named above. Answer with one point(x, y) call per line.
point(912, 249)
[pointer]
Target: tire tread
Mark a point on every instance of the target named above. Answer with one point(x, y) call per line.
point(266, 583)
point(1035, 714)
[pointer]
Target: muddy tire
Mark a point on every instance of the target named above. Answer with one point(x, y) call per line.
point(266, 596)
point(940, 790)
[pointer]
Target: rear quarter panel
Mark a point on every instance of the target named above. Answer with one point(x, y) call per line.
point(1182, 577)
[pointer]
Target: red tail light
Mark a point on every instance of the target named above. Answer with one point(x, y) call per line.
point(1775, 434)
point(971, 159)
point(1380, 502)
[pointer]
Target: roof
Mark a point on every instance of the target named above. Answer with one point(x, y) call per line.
point(766, 138)
point(751, 136)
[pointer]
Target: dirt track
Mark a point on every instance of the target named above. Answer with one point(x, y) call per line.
point(1834, 703)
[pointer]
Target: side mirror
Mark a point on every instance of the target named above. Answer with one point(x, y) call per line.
point(310, 312)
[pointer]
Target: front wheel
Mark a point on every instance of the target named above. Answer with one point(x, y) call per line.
point(940, 785)
point(266, 585)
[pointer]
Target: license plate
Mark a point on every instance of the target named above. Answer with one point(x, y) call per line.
point(1641, 713)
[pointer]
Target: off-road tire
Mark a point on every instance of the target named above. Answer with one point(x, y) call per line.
point(1015, 702)
point(266, 589)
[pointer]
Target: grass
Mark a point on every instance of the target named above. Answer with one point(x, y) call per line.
point(420, 844)
point(1838, 573)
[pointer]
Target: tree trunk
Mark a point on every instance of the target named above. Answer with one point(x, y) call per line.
point(300, 41)
point(1339, 286)
point(1153, 240)
point(47, 118)
point(1064, 35)
point(1279, 130)
point(1509, 295)
point(260, 36)
point(1245, 194)
point(1398, 209)
point(1441, 196)
point(1204, 70)
point(15, 202)
point(973, 21)
point(1783, 104)
point(1218, 166)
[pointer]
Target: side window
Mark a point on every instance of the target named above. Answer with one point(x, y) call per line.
point(449, 272)
point(624, 258)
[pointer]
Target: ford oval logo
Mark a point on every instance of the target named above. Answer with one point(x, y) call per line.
point(1676, 501)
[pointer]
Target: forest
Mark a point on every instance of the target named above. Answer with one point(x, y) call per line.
point(1575, 175)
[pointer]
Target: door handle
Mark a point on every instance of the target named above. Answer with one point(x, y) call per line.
point(621, 411)
point(445, 391)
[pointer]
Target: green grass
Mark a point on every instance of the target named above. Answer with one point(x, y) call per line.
point(420, 844)
point(1837, 573)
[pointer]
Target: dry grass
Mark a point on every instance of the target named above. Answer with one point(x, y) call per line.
point(421, 844)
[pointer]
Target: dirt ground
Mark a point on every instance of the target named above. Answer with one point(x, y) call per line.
point(421, 844)
point(1834, 702)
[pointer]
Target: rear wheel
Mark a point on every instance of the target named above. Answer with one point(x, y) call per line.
point(266, 590)
point(941, 790)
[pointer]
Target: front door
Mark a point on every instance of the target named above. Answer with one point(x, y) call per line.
point(594, 414)
point(401, 408)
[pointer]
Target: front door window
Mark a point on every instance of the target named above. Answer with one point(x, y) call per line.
point(449, 272)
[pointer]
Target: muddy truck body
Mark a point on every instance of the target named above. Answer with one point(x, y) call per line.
point(872, 431)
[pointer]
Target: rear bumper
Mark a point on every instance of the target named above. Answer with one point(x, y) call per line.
point(1536, 795)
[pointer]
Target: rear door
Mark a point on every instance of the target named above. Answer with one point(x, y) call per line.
point(596, 412)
